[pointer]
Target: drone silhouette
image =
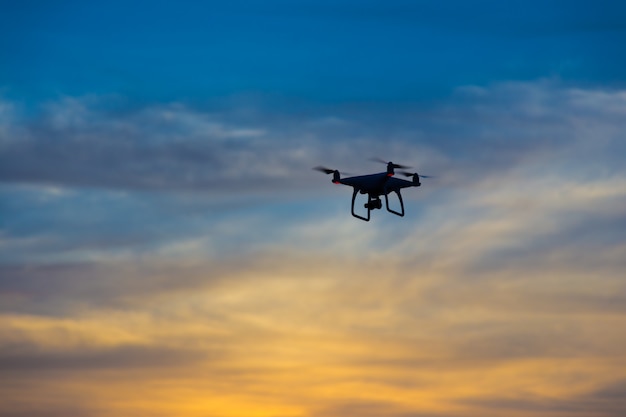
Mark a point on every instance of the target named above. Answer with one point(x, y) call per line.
point(377, 185)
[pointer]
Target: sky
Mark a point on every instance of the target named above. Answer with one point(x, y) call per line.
point(167, 250)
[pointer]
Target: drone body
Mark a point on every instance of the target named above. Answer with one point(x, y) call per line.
point(375, 186)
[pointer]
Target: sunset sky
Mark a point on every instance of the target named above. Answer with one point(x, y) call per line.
point(167, 250)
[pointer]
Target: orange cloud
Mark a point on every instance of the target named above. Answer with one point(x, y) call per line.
point(304, 336)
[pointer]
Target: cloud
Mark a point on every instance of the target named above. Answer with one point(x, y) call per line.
point(81, 142)
point(302, 331)
point(54, 288)
point(501, 291)
point(607, 401)
point(104, 142)
point(118, 358)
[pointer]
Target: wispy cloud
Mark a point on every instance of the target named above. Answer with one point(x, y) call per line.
point(501, 291)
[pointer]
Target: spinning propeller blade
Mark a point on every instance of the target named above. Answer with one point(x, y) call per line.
point(324, 170)
point(329, 171)
point(410, 174)
point(382, 161)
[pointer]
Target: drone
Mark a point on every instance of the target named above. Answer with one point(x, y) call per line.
point(377, 185)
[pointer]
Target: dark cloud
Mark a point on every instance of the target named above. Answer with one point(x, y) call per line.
point(478, 133)
point(584, 236)
point(56, 288)
point(124, 357)
point(78, 143)
point(611, 397)
point(607, 401)
point(369, 408)
point(39, 409)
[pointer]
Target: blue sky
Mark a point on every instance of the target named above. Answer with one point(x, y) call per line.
point(321, 51)
point(166, 248)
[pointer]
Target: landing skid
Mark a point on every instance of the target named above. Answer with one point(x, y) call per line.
point(368, 206)
point(371, 204)
point(390, 210)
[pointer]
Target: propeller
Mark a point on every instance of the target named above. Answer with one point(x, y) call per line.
point(382, 161)
point(329, 171)
point(410, 174)
point(324, 170)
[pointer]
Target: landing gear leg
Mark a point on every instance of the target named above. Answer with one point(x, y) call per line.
point(367, 219)
point(390, 210)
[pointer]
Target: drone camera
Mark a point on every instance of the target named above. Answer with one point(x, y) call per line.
point(374, 204)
